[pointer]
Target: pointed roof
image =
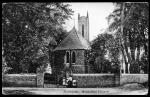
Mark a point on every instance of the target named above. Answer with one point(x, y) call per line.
point(73, 41)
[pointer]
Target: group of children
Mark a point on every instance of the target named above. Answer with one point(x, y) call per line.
point(69, 82)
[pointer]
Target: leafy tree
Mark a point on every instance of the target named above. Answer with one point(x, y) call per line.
point(98, 52)
point(113, 48)
point(30, 31)
point(143, 63)
point(5, 68)
point(131, 21)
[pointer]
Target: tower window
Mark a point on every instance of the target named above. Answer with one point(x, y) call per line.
point(73, 57)
point(67, 57)
point(82, 30)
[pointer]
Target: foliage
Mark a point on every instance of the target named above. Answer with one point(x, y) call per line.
point(102, 65)
point(134, 35)
point(113, 48)
point(98, 52)
point(5, 68)
point(30, 31)
point(143, 63)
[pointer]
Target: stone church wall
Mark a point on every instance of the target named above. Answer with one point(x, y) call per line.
point(79, 66)
point(80, 57)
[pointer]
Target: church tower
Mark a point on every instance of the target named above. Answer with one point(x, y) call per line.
point(83, 26)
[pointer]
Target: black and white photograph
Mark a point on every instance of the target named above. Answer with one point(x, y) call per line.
point(75, 48)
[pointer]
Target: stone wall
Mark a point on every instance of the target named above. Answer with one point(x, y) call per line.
point(79, 57)
point(79, 66)
point(107, 80)
point(94, 80)
point(132, 78)
point(83, 80)
point(20, 80)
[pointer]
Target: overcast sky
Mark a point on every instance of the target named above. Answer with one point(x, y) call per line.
point(98, 11)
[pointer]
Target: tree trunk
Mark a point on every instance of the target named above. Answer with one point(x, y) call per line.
point(132, 65)
point(125, 60)
point(126, 64)
point(127, 53)
point(122, 39)
point(133, 53)
point(138, 54)
point(146, 49)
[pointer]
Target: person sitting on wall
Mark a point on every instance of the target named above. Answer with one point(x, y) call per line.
point(64, 83)
point(69, 81)
point(74, 84)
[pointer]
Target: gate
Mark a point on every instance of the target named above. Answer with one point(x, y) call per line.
point(49, 78)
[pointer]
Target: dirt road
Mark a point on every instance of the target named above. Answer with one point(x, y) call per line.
point(77, 91)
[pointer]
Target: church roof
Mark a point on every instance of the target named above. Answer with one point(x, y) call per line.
point(73, 41)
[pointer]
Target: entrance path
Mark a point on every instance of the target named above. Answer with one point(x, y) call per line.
point(79, 91)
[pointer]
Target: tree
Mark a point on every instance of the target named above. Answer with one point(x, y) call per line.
point(98, 52)
point(5, 68)
point(114, 49)
point(30, 31)
point(135, 30)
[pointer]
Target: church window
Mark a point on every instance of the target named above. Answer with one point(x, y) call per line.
point(67, 57)
point(73, 57)
point(82, 30)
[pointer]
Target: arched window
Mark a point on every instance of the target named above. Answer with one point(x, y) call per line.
point(82, 30)
point(67, 57)
point(73, 57)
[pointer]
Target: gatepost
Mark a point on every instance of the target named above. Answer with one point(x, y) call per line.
point(40, 77)
point(117, 75)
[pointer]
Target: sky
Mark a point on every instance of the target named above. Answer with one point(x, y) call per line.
point(98, 11)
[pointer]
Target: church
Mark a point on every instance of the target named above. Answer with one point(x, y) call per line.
point(70, 53)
